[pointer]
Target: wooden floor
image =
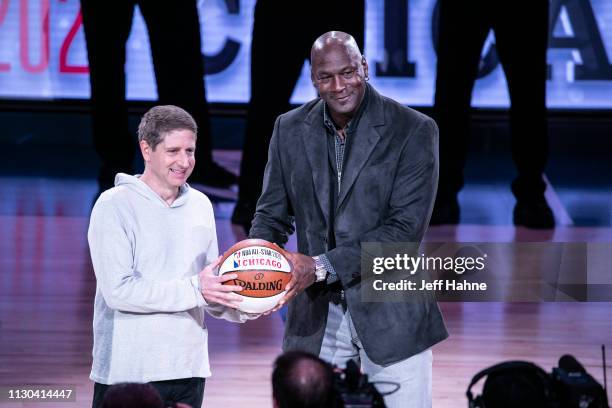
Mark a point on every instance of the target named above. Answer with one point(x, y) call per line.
point(47, 288)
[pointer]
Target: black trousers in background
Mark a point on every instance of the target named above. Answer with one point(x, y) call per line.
point(174, 34)
point(186, 390)
point(283, 33)
point(521, 33)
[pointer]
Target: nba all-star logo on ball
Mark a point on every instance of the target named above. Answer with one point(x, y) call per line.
point(263, 272)
point(245, 259)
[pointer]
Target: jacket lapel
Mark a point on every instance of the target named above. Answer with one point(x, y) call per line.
point(364, 141)
point(315, 144)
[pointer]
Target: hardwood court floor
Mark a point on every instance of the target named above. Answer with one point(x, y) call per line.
point(47, 287)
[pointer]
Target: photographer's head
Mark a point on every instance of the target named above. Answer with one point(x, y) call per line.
point(301, 380)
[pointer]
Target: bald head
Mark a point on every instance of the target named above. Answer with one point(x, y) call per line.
point(332, 39)
point(339, 72)
point(301, 380)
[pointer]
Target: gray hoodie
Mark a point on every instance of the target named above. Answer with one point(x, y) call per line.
point(149, 313)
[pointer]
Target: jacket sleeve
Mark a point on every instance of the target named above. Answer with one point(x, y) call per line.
point(410, 204)
point(273, 219)
point(122, 287)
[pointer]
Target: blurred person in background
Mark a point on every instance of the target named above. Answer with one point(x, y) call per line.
point(174, 36)
point(521, 36)
point(302, 380)
point(291, 27)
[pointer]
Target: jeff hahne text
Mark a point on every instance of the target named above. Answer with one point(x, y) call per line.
point(413, 264)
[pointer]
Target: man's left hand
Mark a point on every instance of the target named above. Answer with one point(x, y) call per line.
point(302, 277)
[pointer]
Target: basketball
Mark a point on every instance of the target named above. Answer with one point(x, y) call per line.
point(263, 272)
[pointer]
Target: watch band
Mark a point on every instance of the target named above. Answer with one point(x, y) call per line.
point(320, 271)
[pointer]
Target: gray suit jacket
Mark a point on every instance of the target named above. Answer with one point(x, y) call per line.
point(388, 189)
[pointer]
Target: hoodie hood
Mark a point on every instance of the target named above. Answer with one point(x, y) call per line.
point(135, 184)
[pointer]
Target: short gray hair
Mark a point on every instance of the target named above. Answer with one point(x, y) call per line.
point(161, 120)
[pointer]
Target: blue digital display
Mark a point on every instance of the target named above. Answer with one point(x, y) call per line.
point(43, 55)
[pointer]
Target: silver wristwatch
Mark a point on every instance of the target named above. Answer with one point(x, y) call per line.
point(320, 271)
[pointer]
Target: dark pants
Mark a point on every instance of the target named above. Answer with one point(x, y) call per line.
point(276, 65)
point(174, 34)
point(521, 32)
point(186, 390)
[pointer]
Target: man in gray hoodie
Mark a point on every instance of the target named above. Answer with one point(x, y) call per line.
point(154, 248)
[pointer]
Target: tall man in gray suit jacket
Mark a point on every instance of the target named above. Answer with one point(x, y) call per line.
point(349, 167)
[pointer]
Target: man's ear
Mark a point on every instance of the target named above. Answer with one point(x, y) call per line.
point(146, 150)
point(364, 64)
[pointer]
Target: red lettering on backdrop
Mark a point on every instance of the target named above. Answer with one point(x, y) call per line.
point(64, 66)
point(24, 37)
point(4, 66)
